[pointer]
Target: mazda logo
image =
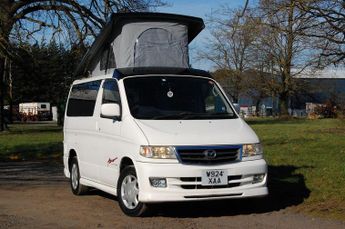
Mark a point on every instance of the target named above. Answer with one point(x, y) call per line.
point(210, 154)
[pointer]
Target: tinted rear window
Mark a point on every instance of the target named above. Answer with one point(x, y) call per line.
point(82, 99)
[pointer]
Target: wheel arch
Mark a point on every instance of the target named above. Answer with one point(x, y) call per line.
point(72, 154)
point(125, 161)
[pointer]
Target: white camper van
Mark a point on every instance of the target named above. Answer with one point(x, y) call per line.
point(159, 134)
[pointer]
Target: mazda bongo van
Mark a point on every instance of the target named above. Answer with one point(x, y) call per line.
point(159, 135)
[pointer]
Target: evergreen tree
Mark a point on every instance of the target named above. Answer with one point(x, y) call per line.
point(51, 76)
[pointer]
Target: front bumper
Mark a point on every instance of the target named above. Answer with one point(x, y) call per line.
point(183, 181)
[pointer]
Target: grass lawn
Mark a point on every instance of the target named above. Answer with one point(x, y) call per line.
point(306, 163)
point(306, 160)
point(31, 141)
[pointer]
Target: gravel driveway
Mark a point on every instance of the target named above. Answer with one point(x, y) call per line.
point(36, 195)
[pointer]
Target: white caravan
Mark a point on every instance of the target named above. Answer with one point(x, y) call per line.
point(159, 134)
point(35, 111)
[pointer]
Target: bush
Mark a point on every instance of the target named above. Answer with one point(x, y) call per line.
point(327, 110)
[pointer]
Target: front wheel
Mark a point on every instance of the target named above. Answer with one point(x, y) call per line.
point(128, 193)
point(77, 188)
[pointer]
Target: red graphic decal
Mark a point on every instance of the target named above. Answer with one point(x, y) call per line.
point(111, 160)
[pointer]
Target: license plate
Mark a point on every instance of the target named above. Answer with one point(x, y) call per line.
point(214, 177)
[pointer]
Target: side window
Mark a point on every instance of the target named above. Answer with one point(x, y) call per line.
point(110, 92)
point(107, 59)
point(82, 99)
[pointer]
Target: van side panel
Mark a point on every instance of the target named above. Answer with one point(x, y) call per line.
point(80, 127)
point(101, 143)
point(80, 136)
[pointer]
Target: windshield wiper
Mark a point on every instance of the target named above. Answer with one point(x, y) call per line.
point(171, 116)
point(192, 115)
point(218, 115)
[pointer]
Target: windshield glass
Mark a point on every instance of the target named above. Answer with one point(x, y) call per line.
point(162, 97)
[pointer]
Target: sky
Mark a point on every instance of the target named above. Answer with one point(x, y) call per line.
point(199, 8)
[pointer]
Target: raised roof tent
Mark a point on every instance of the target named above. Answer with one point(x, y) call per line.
point(141, 40)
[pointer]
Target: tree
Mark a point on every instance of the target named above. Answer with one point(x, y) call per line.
point(230, 81)
point(329, 27)
point(282, 40)
point(257, 85)
point(75, 21)
point(268, 40)
point(229, 49)
point(52, 74)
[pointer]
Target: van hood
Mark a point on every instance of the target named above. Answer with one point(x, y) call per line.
point(197, 132)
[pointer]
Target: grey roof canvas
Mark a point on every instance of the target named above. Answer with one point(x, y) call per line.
point(141, 40)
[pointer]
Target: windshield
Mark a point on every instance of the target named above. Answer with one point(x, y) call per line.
point(162, 97)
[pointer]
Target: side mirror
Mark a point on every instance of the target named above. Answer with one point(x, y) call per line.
point(110, 110)
point(237, 107)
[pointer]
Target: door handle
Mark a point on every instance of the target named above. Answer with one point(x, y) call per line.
point(97, 127)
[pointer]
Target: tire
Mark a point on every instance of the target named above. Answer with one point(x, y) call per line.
point(128, 193)
point(77, 188)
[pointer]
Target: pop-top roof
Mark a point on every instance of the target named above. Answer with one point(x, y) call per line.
point(117, 21)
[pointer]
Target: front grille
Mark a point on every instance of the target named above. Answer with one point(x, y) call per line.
point(210, 187)
point(208, 155)
point(199, 186)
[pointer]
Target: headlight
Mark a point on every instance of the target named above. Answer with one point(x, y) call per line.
point(250, 150)
point(159, 152)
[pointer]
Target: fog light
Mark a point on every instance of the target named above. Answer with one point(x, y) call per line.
point(158, 182)
point(257, 178)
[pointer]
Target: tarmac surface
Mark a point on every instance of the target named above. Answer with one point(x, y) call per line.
point(35, 194)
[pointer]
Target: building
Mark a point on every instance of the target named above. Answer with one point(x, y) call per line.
point(313, 91)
